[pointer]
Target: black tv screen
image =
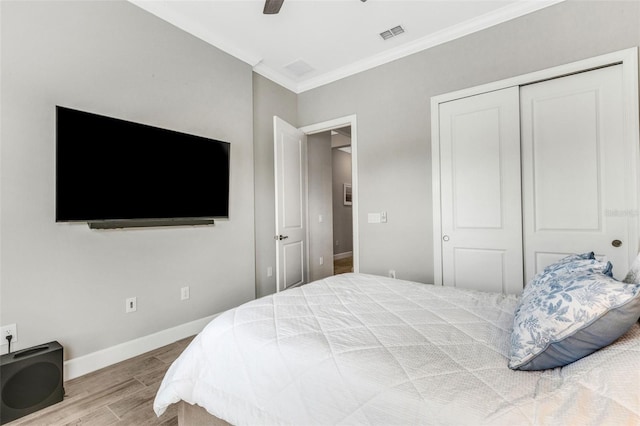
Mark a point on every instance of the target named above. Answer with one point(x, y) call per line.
point(109, 169)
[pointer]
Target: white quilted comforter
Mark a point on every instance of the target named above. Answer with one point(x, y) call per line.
point(362, 349)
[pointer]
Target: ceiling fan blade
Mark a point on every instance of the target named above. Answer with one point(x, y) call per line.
point(272, 7)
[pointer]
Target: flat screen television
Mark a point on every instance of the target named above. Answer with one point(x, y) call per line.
point(116, 171)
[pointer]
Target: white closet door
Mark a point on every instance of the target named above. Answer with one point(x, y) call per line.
point(480, 192)
point(575, 169)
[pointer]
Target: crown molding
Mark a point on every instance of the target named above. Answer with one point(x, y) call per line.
point(203, 33)
point(277, 77)
point(488, 20)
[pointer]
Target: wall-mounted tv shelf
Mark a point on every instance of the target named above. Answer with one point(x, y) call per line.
point(146, 223)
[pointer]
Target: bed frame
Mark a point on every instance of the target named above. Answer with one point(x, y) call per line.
point(191, 415)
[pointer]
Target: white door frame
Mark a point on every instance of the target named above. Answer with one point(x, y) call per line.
point(628, 58)
point(349, 120)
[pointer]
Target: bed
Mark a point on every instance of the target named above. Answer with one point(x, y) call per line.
point(365, 349)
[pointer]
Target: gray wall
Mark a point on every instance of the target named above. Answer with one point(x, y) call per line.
point(319, 202)
point(392, 106)
point(269, 99)
point(65, 281)
point(342, 215)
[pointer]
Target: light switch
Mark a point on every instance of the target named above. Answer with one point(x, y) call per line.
point(383, 217)
point(374, 218)
point(320, 218)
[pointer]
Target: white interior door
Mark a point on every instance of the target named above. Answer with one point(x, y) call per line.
point(290, 160)
point(481, 192)
point(576, 170)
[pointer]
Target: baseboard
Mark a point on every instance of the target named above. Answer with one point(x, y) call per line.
point(342, 255)
point(85, 364)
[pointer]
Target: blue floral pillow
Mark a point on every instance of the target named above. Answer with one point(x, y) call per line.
point(570, 310)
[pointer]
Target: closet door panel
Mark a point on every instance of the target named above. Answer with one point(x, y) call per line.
point(566, 161)
point(480, 192)
point(476, 170)
point(480, 269)
point(574, 171)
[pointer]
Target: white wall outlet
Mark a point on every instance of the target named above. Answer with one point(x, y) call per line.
point(131, 305)
point(7, 330)
point(392, 273)
point(184, 293)
point(270, 271)
point(321, 260)
point(320, 218)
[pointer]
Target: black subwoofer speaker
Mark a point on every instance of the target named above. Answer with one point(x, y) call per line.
point(31, 380)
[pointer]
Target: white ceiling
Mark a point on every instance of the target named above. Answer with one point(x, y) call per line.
point(336, 38)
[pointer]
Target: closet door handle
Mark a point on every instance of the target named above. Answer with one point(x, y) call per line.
point(445, 238)
point(616, 243)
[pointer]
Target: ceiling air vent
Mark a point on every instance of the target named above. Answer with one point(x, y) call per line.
point(386, 35)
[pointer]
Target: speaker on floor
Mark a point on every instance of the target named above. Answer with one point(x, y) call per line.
point(31, 380)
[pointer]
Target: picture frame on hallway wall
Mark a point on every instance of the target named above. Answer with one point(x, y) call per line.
point(347, 195)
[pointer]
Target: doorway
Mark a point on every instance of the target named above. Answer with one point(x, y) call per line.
point(315, 264)
point(342, 200)
point(330, 203)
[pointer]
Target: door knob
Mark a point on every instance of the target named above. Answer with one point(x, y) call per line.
point(616, 243)
point(445, 238)
point(281, 237)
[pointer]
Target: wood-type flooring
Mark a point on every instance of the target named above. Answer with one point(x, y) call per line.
point(121, 394)
point(342, 266)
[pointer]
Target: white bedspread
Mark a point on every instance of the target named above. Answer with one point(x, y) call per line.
point(362, 349)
